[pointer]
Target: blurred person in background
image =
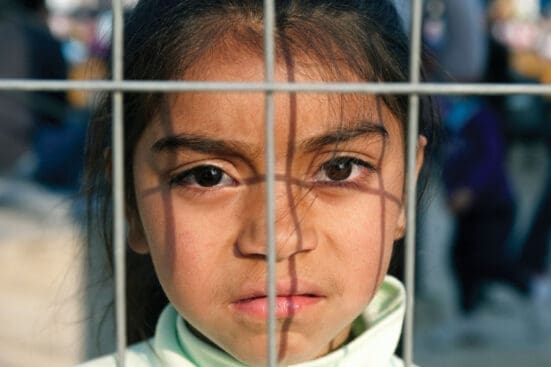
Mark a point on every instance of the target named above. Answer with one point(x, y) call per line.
point(528, 122)
point(37, 141)
point(480, 197)
point(536, 248)
point(404, 11)
point(16, 120)
point(455, 33)
point(28, 51)
point(478, 190)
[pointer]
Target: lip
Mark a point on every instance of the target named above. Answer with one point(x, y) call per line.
point(292, 297)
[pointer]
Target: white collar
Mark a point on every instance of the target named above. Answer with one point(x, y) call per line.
point(374, 347)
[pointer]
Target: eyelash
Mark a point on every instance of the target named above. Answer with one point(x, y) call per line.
point(347, 182)
point(189, 178)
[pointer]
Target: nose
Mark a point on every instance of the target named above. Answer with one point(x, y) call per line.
point(294, 233)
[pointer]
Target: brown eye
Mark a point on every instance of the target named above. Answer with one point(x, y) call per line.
point(343, 170)
point(202, 176)
point(207, 176)
point(338, 169)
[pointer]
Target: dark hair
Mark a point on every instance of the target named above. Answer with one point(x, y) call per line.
point(163, 40)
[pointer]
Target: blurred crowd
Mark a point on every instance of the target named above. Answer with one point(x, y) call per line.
point(42, 133)
point(493, 41)
point(500, 41)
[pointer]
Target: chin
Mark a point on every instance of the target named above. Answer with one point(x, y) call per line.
point(288, 355)
point(262, 361)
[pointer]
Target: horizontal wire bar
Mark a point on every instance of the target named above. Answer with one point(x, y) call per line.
point(181, 86)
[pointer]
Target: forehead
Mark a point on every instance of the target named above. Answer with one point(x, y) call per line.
point(243, 113)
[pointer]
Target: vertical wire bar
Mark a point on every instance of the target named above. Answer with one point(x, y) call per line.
point(269, 64)
point(412, 139)
point(118, 184)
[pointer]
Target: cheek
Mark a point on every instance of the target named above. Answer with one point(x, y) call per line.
point(363, 235)
point(183, 244)
point(167, 237)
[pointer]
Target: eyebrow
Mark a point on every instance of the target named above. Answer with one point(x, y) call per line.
point(207, 145)
point(202, 144)
point(344, 133)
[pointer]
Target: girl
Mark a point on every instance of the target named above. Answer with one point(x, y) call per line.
point(195, 185)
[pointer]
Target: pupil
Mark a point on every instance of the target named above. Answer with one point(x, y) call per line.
point(338, 170)
point(208, 176)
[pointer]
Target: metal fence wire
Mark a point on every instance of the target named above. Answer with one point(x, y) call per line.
point(118, 86)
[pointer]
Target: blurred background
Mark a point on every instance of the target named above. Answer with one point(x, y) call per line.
point(483, 276)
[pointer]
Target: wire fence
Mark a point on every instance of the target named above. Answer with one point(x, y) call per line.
point(414, 88)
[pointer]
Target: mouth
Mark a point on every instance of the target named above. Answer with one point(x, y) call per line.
point(287, 304)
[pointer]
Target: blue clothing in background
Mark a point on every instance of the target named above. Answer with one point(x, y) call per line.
point(475, 153)
point(475, 162)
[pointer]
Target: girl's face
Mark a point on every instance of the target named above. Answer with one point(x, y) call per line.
point(199, 182)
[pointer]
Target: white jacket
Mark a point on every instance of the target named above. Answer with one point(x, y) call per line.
point(175, 346)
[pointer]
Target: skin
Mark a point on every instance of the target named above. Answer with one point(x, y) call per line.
point(335, 226)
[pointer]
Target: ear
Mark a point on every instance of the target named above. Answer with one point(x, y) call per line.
point(134, 230)
point(135, 233)
point(401, 223)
